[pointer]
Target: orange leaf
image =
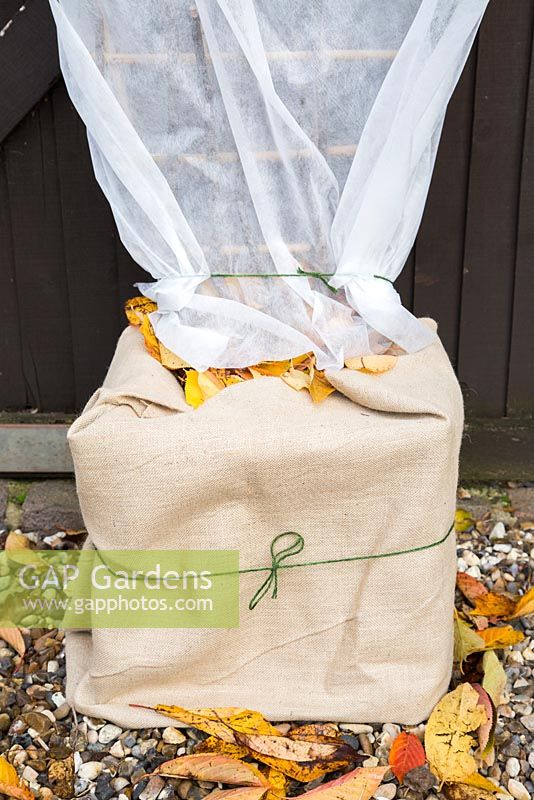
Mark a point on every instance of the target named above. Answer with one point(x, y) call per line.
point(406, 753)
point(213, 768)
point(470, 587)
point(505, 636)
point(525, 605)
point(494, 605)
point(10, 783)
point(138, 307)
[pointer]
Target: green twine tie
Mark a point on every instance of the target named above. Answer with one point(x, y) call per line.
point(300, 273)
point(296, 545)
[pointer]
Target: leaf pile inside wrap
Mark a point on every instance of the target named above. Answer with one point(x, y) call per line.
point(298, 373)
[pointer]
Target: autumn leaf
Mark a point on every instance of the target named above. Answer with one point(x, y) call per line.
point(320, 388)
point(213, 768)
point(466, 641)
point(10, 783)
point(169, 359)
point(360, 784)
point(494, 605)
point(297, 379)
point(494, 680)
point(209, 384)
point(524, 606)
point(242, 793)
point(463, 520)
point(282, 747)
point(371, 365)
point(406, 753)
point(16, 541)
point(486, 731)
point(316, 732)
point(480, 782)
point(13, 637)
point(500, 637)
point(215, 745)
point(220, 722)
point(278, 782)
point(460, 791)
point(193, 393)
point(470, 587)
point(137, 308)
point(151, 341)
point(448, 739)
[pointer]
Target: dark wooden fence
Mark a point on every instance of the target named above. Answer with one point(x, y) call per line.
point(64, 275)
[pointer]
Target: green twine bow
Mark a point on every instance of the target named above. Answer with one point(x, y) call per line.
point(278, 557)
point(297, 545)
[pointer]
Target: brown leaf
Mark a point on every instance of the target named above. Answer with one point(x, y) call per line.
point(460, 791)
point(13, 637)
point(213, 768)
point(317, 732)
point(471, 589)
point(282, 747)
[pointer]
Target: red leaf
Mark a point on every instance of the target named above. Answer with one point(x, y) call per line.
point(406, 754)
point(470, 587)
point(486, 730)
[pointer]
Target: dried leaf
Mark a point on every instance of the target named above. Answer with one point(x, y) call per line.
point(448, 742)
point(286, 749)
point(466, 641)
point(273, 368)
point(10, 783)
point(316, 732)
point(360, 784)
point(137, 308)
point(497, 638)
point(494, 605)
point(242, 793)
point(487, 729)
point(214, 768)
point(169, 359)
point(494, 680)
point(525, 605)
point(215, 745)
point(13, 637)
point(151, 341)
point(297, 379)
point(372, 365)
point(460, 791)
point(320, 388)
point(193, 394)
point(278, 782)
point(463, 520)
point(16, 541)
point(220, 722)
point(209, 384)
point(302, 771)
point(470, 587)
point(406, 753)
point(480, 782)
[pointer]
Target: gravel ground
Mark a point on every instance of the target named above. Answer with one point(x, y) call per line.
point(63, 755)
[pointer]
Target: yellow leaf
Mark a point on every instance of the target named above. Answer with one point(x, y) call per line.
point(463, 520)
point(215, 745)
point(497, 638)
point(278, 782)
point(297, 379)
point(301, 771)
point(169, 359)
point(319, 387)
point(10, 783)
point(274, 368)
point(193, 394)
point(448, 742)
point(13, 637)
point(494, 605)
point(151, 342)
point(466, 640)
point(525, 605)
point(460, 791)
point(209, 384)
point(316, 732)
point(138, 307)
point(220, 722)
point(17, 541)
point(481, 782)
point(372, 365)
point(360, 784)
point(213, 768)
point(494, 680)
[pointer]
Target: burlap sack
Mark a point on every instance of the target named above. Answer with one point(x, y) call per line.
point(373, 469)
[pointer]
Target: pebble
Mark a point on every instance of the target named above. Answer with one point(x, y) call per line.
point(119, 783)
point(498, 532)
point(173, 736)
point(372, 761)
point(29, 774)
point(387, 791)
point(109, 733)
point(5, 722)
point(513, 767)
point(117, 749)
point(518, 790)
point(355, 728)
point(58, 699)
point(528, 722)
point(153, 788)
point(62, 711)
point(92, 737)
point(90, 770)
